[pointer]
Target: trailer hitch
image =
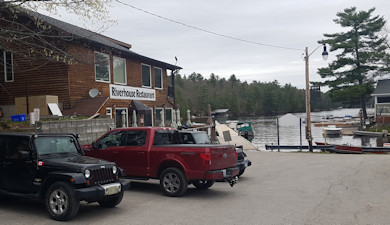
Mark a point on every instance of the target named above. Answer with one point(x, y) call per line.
point(233, 181)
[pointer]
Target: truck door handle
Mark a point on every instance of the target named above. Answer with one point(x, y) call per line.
point(115, 152)
point(141, 153)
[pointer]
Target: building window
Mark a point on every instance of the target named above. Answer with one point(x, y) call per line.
point(109, 112)
point(158, 117)
point(146, 76)
point(102, 67)
point(119, 70)
point(383, 99)
point(158, 79)
point(6, 66)
point(168, 116)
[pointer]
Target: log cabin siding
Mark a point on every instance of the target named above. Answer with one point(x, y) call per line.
point(35, 77)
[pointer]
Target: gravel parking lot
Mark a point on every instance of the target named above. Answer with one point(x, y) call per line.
point(279, 188)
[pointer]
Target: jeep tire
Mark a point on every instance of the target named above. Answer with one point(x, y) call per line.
point(111, 201)
point(173, 182)
point(61, 202)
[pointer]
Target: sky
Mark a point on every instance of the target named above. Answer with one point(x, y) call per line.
point(289, 25)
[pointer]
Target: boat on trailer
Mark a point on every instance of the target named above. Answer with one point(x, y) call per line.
point(243, 128)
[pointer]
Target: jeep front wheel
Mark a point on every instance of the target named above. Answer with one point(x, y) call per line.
point(61, 202)
point(173, 182)
point(111, 201)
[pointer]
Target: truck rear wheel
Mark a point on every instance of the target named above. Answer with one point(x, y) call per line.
point(173, 182)
point(61, 202)
point(111, 201)
point(203, 184)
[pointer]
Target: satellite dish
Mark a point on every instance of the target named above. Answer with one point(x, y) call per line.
point(93, 93)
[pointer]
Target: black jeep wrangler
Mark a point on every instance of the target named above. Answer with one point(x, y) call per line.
point(52, 167)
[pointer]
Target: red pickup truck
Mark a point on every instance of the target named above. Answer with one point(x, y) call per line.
point(156, 152)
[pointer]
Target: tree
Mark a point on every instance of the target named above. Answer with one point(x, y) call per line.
point(363, 56)
point(25, 33)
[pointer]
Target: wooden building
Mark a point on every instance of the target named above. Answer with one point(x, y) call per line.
point(382, 102)
point(91, 74)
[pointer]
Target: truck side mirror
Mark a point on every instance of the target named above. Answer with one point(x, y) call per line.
point(95, 145)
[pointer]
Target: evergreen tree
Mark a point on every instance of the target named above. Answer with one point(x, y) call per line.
point(363, 56)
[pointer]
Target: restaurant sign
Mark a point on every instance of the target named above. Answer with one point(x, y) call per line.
point(132, 93)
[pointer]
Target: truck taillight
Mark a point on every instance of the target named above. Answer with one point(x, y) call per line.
point(206, 158)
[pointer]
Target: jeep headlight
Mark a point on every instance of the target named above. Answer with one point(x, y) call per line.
point(87, 174)
point(114, 169)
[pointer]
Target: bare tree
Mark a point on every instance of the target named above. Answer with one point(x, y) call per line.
point(26, 33)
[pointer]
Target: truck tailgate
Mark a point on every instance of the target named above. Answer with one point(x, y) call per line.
point(222, 156)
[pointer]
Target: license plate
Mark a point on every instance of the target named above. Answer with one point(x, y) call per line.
point(111, 189)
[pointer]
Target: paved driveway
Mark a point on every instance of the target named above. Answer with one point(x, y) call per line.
point(279, 188)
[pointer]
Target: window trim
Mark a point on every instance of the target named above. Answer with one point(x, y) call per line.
point(113, 64)
point(109, 112)
point(109, 67)
point(162, 83)
point(150, 75)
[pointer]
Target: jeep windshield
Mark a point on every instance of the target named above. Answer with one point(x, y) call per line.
point(56, 145)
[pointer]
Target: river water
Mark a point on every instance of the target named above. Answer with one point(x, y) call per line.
point(266, 130)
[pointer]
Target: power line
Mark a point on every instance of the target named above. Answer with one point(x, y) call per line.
point(207, 31)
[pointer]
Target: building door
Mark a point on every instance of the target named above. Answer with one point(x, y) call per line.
point(121, 117)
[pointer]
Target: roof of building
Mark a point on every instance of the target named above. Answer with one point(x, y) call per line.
point(382, 88)
point(98, 38)
point(86, 107)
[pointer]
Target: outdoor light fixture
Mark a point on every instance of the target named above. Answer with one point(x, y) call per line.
point(308, 119)
point(325, 53)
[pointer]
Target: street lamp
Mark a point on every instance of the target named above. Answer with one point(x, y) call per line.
point(308, 119)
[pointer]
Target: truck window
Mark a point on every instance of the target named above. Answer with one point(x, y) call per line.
point(135, 138)
point(116, 138)
point(187, 138)
point(166, 137)
point(202, 138)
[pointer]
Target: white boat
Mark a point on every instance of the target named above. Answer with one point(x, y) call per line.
point(332, 130)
